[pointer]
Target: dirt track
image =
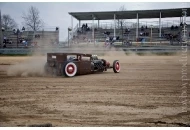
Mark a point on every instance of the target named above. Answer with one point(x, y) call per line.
point(145, 93)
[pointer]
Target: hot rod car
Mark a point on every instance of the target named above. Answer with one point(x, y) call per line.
point(71, 64)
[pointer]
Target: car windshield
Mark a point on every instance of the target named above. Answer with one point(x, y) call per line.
point(94, 57)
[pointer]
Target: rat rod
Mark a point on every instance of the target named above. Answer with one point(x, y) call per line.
point(71, 64)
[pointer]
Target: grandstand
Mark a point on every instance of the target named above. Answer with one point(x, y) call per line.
point(38, 38)
point(153, 34)
point(156, 32)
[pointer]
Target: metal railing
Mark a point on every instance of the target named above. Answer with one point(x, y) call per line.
point(159, 49)
point(130, 24)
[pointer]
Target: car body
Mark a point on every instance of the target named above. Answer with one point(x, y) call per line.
point(71, 64)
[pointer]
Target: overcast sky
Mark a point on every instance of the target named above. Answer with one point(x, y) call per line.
point(56, 14)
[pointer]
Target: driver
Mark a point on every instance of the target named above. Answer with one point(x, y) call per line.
point(79, 58)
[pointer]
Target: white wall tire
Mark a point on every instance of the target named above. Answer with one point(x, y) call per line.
point(70, 69)
point(116, 66)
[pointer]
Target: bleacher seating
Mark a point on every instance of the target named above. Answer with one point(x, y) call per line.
point(47, 36)
point(99, 34)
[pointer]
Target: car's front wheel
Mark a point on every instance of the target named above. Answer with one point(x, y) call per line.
point(116, 66)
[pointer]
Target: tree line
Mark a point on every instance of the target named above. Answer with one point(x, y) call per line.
point(31, 20)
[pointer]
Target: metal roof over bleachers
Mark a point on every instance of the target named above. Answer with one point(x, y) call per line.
point(129, 14)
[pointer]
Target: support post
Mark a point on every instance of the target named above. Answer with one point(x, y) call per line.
point(118, 24)
point(151, 34)
point(98, 23)
point(122, 31)
point(68, 37)
point(137, 27)
point(71, 26)
point(160, 25)
point(114, 25)
point(17, 33)
point(180, 20)
point(93, 29)
point(79, 23)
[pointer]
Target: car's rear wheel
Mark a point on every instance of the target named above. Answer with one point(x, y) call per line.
point(116, 66)
point(70, 69)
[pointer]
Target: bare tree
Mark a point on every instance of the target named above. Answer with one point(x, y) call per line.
point(8, 23)
point(32, 19)
point(121, 22)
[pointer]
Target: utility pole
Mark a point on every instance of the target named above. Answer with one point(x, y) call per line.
point(151, 34)
point(69, 29)
point(93, 36)
point(68, 37)
point(1, 36)
point(17, 33)
point(122, 31)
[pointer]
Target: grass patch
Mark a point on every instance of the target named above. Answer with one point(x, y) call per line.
point(15, 54)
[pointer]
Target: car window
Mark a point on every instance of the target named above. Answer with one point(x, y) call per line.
point(85, 58)
point(71, 57)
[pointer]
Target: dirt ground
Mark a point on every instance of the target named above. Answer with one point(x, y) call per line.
point(147, 92)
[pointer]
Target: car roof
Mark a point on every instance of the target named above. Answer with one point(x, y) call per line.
point(82, 54)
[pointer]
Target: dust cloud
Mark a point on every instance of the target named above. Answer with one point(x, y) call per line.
point(34, 66)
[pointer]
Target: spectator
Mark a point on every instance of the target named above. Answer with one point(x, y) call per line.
point(87, 29)
point(127, 30)
point(23, 28)
point(142, 41)
point(83, 26)
point(181, 24)
point(4, 42)
point(79, 31)
point(147, 34)
point(142, 28)
point(14, 31)
point(10, 42)
point(108, 33)
point(4, 45)
point(172, 27)
point(146, 27)
point(176, 27)
point(25, 43)
point(21, 39)
point(4, 39)
point(56, 29)
point(37, 36)
point(2, 29)
point(117, 38)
